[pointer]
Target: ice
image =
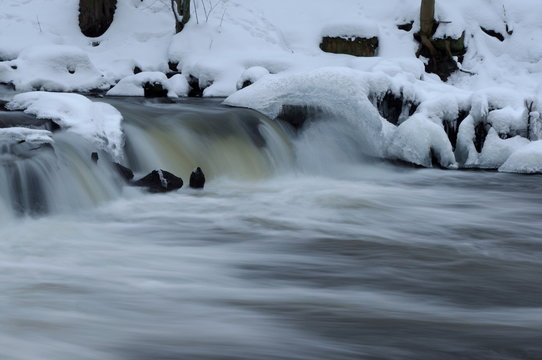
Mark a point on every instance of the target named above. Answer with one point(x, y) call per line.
point(96, 121)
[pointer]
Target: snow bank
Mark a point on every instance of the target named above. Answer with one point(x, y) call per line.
point(525, 160)
point(52, 68)
point(133, 85)
point(98, 122)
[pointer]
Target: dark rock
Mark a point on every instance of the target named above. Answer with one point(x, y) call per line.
point(137, 70)
point(95, 16)
point(451, 127)
point(480, 134)
point(350, 45)
point(493, 33)
point(126, 173)
point(159, 181)
point(509, 30)
point(197, 179)
point(153, 90)
point(297, 115)
point(94, 156)
point(406, 27)
point(394, 108)
point(173, 66)
point(171, 74)
point(14, 67)
point(246, 83)
point(95, 43)
point(196, 90)
point(443, 63)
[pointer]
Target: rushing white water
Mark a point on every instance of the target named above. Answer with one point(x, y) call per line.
point(295, 249)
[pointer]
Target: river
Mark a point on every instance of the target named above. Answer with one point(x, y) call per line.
point(297, 248)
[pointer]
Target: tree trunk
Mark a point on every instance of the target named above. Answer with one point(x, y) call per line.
point(427, 22)
point(181, 11)
point(95, 16)
point(427, 15)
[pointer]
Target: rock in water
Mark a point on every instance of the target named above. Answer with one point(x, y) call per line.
point(126, 173)
point(197, 179)
point(160, 181)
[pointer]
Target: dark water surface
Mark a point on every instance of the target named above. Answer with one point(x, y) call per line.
point(392, 264)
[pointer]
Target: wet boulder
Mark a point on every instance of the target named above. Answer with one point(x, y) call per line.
point(124, 172)
point(154, 89)
point(197, 179)
point(159, 181)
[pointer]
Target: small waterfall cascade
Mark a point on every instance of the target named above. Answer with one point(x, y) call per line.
point(228, 142)
point(47, 170)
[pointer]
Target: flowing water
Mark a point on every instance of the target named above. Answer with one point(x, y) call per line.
point(297, 248)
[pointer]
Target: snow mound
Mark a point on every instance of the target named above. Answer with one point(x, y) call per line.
point(525, 160)
point(496, 150)
point(52, 68)
point(98, 122)
point(338, 91)
point(418, 140)
point(251, 75)
point(133, 85)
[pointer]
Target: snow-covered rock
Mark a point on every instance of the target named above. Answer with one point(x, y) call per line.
point(251, 75)
point(15, 135)
point(133, 85)
point(418, 140)
point(496, 150)
point(525, 160)
point(96, 121)
point(52, 68)
point(338, 91)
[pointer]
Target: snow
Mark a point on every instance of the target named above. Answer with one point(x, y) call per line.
point(52, 68)
point(14, 135)
point(496, 150)
point(339, 91)
point(526, 160)
point(133, 85)
point(363, 29)
point(96, 121)
point(418, 139)
point(251, 75)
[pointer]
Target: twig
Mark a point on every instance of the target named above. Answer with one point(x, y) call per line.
point(39, 24)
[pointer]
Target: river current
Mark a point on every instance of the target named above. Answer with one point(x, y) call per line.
point(297, 248)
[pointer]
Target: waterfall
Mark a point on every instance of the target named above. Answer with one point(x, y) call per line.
point(59, 175)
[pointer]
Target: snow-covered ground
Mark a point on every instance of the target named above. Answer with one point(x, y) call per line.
point(230, 41)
